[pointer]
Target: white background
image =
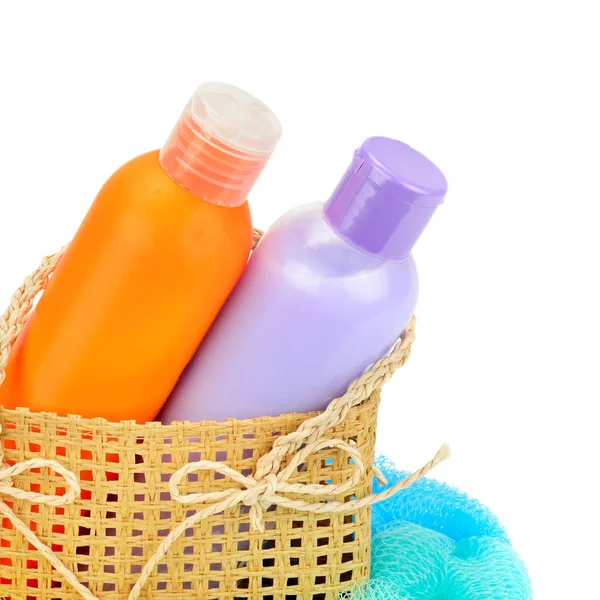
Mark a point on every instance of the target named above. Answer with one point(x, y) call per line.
point(502, 96)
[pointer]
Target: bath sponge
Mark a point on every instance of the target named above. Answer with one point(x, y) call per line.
point(434, 505)
point(414, 558)
point(485, 568)
point(433, 542)
point(375, 590)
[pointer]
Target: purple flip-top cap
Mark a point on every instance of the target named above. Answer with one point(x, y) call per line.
point(386, 198)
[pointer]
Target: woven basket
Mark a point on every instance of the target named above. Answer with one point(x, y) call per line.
point(273, 508)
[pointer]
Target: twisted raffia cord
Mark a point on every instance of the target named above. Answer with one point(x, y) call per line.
point(68, 497)
point(14, 317)
point(258, 491)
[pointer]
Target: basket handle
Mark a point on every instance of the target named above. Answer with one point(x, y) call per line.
point(15, 316)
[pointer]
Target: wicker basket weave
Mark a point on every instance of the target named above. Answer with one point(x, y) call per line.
point(272, 508)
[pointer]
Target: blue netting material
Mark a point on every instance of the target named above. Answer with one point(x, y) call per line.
point(434, 505)
point(376, 590)
point(433, 542)
point(485, 568)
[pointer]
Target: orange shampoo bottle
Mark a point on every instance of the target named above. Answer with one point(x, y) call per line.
point(157, 255)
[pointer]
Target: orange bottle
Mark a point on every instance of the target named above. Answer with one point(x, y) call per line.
point(158, 253)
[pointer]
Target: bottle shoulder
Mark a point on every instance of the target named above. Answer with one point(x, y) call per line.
point(149, 213)
point(302, 242)
point(143, 186)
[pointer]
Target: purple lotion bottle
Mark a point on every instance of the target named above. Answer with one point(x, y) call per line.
point(326, 293)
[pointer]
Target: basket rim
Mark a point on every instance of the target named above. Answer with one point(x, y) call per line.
point(131, 425)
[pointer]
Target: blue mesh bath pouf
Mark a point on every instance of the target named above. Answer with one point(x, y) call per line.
point(433, 542)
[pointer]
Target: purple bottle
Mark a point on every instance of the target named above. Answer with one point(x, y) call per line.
point(325, 294)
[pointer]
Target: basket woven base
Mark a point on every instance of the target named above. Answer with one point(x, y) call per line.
point(125, 510)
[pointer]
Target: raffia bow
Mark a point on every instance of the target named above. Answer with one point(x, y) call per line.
point(264, 490)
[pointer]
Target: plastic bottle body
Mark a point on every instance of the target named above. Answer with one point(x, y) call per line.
point(130, 301)
point(309, 315)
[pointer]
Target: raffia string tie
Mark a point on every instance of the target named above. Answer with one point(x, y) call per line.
point(7, 489)
point(262, 492)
